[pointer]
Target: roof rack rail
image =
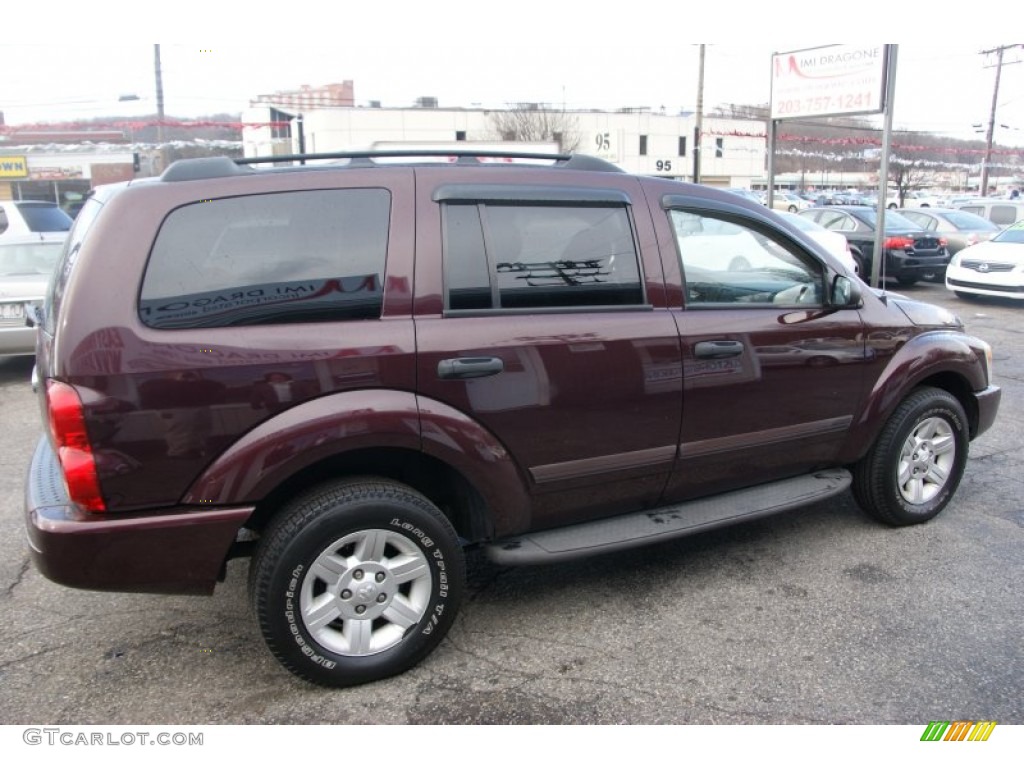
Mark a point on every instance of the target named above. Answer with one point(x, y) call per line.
point(194, 169)
point(467, 156)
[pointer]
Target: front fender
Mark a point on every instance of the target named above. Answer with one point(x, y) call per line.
point(946, 353)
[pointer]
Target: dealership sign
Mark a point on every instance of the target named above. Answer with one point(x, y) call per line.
point(832, 80)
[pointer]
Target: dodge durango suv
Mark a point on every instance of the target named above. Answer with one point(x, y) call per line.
point(353, 372)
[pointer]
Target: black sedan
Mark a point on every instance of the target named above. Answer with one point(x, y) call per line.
point(911, 253)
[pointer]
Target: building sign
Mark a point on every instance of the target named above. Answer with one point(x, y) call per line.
point(832, 80)
point(13, 167)
point(56, 173)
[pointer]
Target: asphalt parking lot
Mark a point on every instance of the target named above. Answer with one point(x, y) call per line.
point(816, 616)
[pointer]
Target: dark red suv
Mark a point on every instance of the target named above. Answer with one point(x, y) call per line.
point(354, 371)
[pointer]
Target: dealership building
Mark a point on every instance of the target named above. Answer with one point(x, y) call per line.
point(638, 140)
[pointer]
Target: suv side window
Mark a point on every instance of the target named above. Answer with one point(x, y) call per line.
point(1004, 215)
point(275, 258)
point(522, 256)
point(728, 262)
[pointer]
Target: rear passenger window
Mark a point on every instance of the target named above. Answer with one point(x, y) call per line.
point(277, 258)
point(539, 256)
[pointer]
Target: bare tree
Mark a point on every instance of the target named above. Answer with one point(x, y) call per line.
point(537, 122)
point(908, 175)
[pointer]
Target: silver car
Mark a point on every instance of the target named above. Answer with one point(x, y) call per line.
point(26, 263)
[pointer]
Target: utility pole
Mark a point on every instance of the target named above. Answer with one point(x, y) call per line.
point(699, 127)
point(159, 95)
point(983, 191)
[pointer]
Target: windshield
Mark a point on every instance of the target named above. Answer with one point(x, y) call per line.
point(1012, 234)
point(965, 220)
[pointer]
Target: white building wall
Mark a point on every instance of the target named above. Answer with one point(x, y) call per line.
point(614, 136)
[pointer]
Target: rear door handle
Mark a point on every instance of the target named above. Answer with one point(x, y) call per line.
point(469, 367)
point(718, 349)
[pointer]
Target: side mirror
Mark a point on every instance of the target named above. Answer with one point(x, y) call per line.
point(845, 293)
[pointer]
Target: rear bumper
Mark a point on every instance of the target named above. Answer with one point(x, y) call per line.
point(17, 340)
point(902, 263)
point(179, 551)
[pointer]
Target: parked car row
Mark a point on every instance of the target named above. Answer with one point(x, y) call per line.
point(910, 253)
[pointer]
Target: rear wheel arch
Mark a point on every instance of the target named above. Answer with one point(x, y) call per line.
point(443, 485)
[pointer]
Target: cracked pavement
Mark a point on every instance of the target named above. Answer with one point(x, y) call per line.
point(815, 616)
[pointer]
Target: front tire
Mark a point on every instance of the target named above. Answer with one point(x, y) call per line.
point(356, 581)
point(915, 465)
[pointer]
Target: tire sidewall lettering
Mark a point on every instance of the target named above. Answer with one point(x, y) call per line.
point(441, 577)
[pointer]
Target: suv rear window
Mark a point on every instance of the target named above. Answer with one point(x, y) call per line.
point(276, 258)
point(43, 217)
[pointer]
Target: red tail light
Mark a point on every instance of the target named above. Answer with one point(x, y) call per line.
point(898, 242)
point(67, 426)
point(943, 242)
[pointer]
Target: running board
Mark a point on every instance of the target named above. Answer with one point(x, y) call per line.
point(641, 528)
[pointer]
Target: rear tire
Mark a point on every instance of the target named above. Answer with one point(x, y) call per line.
point(356, 581)
point(915, 465)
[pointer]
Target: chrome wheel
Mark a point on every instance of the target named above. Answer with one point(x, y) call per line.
point(926, 460)
point(364, 591)
point(914, 467)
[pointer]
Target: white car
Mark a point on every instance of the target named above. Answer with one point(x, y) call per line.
point(913, 199)
point(834, 242)
point(992, 268)
point(25, 217)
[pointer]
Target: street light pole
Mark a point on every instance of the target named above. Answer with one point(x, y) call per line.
point(699, 126)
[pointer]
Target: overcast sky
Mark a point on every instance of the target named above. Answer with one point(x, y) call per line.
point(602, 55)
